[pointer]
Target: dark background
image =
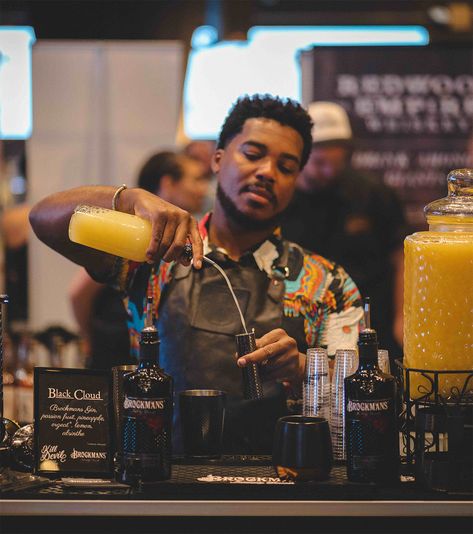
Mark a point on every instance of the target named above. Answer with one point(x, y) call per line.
point(176, 19)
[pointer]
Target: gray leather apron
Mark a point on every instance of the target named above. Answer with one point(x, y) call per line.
point(197, 324)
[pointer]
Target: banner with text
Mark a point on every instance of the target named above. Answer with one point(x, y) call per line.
point(411, 110)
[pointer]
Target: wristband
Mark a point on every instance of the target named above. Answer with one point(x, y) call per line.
point(116, 195)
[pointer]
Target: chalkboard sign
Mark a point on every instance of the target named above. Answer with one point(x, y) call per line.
point(72, 422)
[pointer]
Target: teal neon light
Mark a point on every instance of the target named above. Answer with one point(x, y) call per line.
point(16, 103)
point(341, 35)
point(268, 63)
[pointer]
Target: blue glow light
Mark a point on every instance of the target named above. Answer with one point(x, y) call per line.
point(306, 36)
point(204, 36)
point(16, 113)
point(267, 63)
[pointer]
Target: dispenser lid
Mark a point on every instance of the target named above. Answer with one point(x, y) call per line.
point(459, 201)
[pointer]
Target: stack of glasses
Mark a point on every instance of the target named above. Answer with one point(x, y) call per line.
point(383, 361)
point(316, 387)
point(325, 398)
point(345, 365)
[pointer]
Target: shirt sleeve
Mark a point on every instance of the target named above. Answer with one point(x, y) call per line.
point(120, 276)
point(342, 311)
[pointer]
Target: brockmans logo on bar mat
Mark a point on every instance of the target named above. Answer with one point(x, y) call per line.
point(243, 480)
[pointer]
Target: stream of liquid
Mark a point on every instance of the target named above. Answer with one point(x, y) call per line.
point(222, 272)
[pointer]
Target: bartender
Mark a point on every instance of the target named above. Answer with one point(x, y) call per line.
point(291, 297)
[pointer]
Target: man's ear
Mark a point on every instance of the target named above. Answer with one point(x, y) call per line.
point(216, 159)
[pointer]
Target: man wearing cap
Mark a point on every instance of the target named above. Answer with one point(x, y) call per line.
point(351, 218)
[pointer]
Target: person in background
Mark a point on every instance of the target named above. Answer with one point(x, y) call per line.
point(353, 219)
point(179, 179)
point(14, 234)
point(202, 151)
point(292, 298)
point(98, 308)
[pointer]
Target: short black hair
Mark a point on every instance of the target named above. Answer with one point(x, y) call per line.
point(156, 167)
point(285, 111)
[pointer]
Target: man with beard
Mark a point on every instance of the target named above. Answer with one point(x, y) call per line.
point(293, 299)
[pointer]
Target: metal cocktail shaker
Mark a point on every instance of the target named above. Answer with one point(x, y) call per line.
point(252, 387)
point(118, 372)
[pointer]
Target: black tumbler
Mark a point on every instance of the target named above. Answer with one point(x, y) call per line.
point(252, 387)
point(302, 449)
point(118, 372)
point(202, 418)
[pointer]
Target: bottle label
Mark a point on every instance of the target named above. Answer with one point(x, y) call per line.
point(144, 404)
point(371, 436)
point(368, 406)
point(146, 426)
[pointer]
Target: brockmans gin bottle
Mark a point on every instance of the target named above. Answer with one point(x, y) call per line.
point(372, 440)
point(147, 414)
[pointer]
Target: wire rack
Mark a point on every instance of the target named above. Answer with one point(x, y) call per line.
point(436, 426)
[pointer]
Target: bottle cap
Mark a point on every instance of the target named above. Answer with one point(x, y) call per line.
point(368, 335)
point(149, 334)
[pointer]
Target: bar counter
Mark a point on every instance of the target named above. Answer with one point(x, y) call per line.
point(237, 495)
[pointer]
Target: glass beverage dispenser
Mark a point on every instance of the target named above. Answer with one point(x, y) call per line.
point(438, 290)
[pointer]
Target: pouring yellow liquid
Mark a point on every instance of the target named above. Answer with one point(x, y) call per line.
point(117, 233)
point(438, 294)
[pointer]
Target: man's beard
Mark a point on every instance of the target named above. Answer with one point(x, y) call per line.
point(245, 222)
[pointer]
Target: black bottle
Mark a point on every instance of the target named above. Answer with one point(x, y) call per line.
point(147, 414)
point(372, 439)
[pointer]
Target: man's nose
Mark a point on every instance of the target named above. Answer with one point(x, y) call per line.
point(267, 170)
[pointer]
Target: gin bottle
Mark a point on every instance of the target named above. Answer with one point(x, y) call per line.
point(147, 414)
point(372, 440)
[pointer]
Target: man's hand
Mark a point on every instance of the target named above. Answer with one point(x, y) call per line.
point(171, 226)
point(279, 357)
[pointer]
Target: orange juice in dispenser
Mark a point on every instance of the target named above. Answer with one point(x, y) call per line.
point(438, 290)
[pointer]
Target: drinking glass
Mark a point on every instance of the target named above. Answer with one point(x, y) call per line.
point(345, 365)
point(202, 418)
point(302, 449)
point(316, 386)
point(383, 361)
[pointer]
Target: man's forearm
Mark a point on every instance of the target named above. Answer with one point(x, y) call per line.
point(50, 218)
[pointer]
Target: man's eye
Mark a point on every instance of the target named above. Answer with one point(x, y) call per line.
point(287, 169)
point(252, 156)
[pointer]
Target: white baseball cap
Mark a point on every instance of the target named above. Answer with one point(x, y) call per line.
point(331, 122)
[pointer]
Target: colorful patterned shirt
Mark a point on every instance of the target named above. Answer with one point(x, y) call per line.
point(320, 293)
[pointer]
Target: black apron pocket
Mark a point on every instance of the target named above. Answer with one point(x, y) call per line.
point(216, 311)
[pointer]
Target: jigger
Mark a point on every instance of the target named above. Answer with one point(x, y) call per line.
point(252, 387)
